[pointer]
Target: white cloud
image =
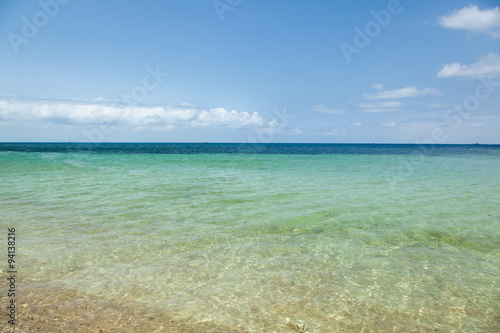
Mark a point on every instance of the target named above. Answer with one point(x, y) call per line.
point(377, 86)
point(390, 124)
point(357, 124)
point(402, 93)
point(335, 132)
point(221, 117)
point(380, 106)
point(296, 131)
point(474, 20)
point(487, 65)
point(325, 109)
point(476, 124)
point(141, 118)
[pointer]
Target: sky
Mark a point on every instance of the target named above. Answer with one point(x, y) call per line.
point(261, 71)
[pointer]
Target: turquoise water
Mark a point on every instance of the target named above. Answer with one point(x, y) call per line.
point(335, 241)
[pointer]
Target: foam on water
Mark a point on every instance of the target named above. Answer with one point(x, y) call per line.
point(252, 241)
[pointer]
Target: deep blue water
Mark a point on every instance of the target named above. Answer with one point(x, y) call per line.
point(252, 148)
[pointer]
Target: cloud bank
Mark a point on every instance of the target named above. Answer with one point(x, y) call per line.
point(141, 118)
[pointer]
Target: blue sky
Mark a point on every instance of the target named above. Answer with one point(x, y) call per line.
point(250, 71)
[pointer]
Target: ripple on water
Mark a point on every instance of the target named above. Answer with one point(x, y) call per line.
point(252, 243)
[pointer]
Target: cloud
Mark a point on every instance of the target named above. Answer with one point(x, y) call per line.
point(474, 20)
point(487, 65)
point(390, 124)
point(324, 109)
point(377, 86)
point(296, 131)
point(380, 106)
point(402, 93)
point(335, 132)
point(357, 124)
point(221, 117)
point(141, 118)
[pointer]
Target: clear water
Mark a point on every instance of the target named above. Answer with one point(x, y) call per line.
point(386, 238)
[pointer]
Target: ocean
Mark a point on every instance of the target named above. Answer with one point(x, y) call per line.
point(194, 237)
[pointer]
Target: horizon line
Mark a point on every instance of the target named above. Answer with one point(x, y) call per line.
point(248, 143)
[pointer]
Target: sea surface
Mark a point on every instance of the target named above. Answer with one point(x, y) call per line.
point(247, 237)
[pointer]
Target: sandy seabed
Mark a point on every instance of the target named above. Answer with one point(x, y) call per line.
point(44, 309)
point(39, 309)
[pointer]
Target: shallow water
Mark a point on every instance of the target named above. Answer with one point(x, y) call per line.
point(337, 241)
